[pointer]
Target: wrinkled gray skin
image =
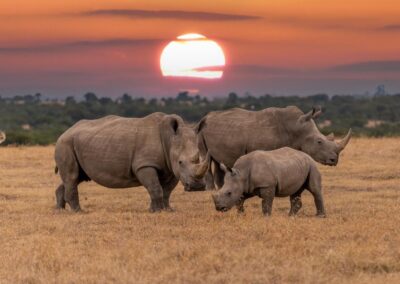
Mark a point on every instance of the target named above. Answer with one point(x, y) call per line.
point(155, 151)
point(228, 135)
point(283, 172)
point(2, 137)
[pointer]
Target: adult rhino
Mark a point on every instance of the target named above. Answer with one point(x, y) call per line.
point(2, 137)
point(228, 135)
point(155, 151)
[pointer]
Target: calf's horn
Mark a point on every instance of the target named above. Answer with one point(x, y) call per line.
point(203, 167)
point(2, 137)
point(342, 143)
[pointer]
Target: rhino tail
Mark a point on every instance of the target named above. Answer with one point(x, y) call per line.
point(56, 170)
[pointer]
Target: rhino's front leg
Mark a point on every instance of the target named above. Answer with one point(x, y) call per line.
point(149, 179)
point(240, 205)
point(167, 190)
point(314, 186)
point(267, 194)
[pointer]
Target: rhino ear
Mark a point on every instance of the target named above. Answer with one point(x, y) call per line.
point(317, 111)
point(314, 113)
point(172, 123)
point(234, 172)
point(200, 125)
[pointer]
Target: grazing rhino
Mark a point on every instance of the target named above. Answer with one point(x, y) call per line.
point(228, 135)
point(2, 137)
point(116, 152)
point(282, 172)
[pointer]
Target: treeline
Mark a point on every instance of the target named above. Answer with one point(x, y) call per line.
point(31, 119)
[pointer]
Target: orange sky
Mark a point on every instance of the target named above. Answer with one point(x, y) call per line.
point(70, 47)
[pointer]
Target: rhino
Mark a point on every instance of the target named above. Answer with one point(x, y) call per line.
point(116, 152)
point(228, 135)
point(2, 137)
point(281, 173)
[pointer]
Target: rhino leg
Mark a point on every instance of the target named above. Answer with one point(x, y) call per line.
point(69, 172)
point(149, 179)
point(314, 186)
point(295, 203)
point(167, 190)
point(240, 205)
point(60, 191)
point(267, 194)
point(71, 196)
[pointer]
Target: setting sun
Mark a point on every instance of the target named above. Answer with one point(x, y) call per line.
point(192, 55)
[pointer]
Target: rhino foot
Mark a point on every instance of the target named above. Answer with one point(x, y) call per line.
point(155, 210)
point(321, 215)
point(169, 209)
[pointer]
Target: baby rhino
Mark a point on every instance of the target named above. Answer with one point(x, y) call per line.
point(282, 172)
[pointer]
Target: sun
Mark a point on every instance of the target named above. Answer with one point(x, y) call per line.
point(192, 55)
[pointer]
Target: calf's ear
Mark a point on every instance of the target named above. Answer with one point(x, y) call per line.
point(200, 125)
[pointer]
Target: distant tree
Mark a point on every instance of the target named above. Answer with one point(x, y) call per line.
point(183, 96)
point(91, 97)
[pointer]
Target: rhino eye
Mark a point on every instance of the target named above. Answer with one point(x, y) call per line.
point(180, 163)
point(229, 193)
point(319, 142)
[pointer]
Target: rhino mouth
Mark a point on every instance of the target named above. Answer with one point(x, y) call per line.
point(330, 162)
point(222, 209)
point(195, 187)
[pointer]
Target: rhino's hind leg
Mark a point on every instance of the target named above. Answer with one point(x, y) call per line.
point(69, 169)
point(60, 197)
point(295, 203)
point(267, 194)
point(149, 179)
point(71, 196)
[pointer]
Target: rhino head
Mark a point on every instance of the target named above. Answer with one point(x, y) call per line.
point(231, 192)
point(2, 137)
point(323, 149)
point(182, 154)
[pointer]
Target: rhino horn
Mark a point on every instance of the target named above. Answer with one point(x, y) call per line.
point(342, 143)
point(195, 158)
point(330, 137)
point(214, 196)
point(203, 167)
point(2, 137)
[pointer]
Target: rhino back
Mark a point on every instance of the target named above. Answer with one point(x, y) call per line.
point(236, 132)
point(286, 168)
point(110, 149)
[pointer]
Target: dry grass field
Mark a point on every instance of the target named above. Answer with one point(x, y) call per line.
point(117, 240)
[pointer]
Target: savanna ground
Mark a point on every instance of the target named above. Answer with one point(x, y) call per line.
point(117, 240)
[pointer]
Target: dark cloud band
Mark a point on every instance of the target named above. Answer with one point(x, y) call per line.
point(170, 14)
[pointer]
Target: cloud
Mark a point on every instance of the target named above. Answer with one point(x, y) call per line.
point(169, 14)
point(394, 27)
point(81, 44)
point(369, 66)
point(260, 69)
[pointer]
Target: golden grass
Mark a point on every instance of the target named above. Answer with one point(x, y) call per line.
point(117, 240)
